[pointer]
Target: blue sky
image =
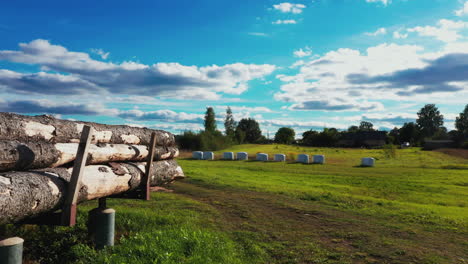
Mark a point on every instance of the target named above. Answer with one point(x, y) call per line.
point(303, 64)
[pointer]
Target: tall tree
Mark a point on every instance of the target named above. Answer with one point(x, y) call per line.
point(366, 126)
point(461, 122)
point(409, 132)
point(229, 123)
point(285, 135)
point(210, 120)
point(250, 129)
point(429, 120)
point(353, 129)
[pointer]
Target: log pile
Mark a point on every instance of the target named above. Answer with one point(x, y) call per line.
point(37, 155)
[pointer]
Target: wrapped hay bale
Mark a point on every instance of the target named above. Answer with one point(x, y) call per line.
point(319, 159)
point(242, 156)
point(280, 157)
point(228, 155)
point(303, 158)
point(262, 157)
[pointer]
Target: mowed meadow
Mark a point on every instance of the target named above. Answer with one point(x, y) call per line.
point(411, 208)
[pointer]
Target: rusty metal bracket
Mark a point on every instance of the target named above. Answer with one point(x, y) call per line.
point(149, 164)
point(69, 208)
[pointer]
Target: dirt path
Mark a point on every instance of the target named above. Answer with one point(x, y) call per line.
point(296, 231)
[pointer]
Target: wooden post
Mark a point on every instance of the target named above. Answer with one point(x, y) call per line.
point(149, 164)
point(68, 217)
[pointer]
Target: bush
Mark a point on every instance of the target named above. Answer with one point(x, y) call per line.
point(465, 145)
point(203, 141)
point(389, 151)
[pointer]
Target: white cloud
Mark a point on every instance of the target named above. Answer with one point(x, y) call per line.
point(285, 22)
point(258, 34)
point(447, 30)
point(301, 124)
point(92, 76)
point(385, 2)
point(351, 80)
point(256, 109)
point(398, 35)
point(380, 31)
point(289, 8)
point(161, 115)
point(462, 11)
point(300, 53)
point(100, 52)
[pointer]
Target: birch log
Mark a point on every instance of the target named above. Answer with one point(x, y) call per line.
point(28, 194)
point(19, 156)
point(47, 128)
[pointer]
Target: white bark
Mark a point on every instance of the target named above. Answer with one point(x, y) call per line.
point(22, 156)
point(31, 193)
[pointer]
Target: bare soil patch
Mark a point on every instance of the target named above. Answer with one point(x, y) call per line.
point(297, 231)
point(460, 153)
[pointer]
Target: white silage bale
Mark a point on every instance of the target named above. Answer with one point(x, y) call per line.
point(319, 159)
point(280, 157)
point(208, 155)
point(262, 157)
point(228, 155)
point(303, 158)
point(368, 162)
point(197, 155)
point(242, 156)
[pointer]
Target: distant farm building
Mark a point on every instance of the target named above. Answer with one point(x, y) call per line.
point(438, 144)
point(363, 139)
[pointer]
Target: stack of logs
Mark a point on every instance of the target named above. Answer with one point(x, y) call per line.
point(37, 154)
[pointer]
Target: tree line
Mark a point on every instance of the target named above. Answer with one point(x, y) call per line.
point(428, 125)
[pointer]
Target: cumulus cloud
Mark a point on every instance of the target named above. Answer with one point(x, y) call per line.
point(385, 2)
point(462, 11)
point(104, 55)
point(380, 31)
point(446, 30)
point(336, 106)
point(285, 22)
point(258, 34)
point(348, 79)
point(448, 73)
point(160, 79)
point(48, 107)
point(161, 115)
point(394, 119)
point(301, 124)
point(46, 83)
point(300, 53)
point(256, 109)
point(289, 8)
point(398, 35)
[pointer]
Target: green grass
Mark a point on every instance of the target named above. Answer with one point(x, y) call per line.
point(408, 209)
point(416, 186)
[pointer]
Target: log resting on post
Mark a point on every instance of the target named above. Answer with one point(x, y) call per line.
point(47, 128)
point(15, 155)
point(28, 194)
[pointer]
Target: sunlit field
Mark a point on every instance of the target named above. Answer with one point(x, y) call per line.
point(407, 209)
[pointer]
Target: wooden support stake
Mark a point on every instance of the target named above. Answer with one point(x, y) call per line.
point(149, 164)
point(68, 217)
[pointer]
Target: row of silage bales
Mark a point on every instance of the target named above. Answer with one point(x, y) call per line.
point(301, 158)
point(316, 159)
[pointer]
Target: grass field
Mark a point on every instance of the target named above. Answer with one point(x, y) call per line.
point(408, 209)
